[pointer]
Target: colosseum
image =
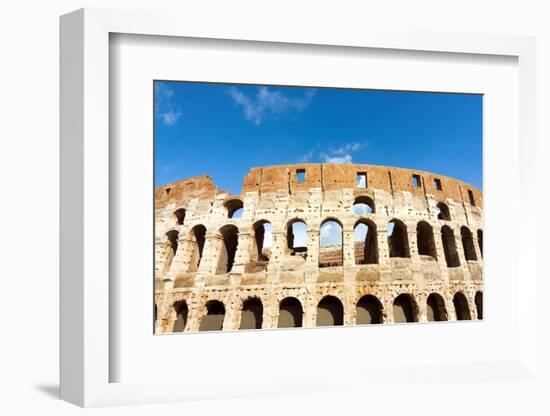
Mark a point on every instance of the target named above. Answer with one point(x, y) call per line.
point(408, 248)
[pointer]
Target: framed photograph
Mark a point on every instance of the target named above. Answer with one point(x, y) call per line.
point(297, 213)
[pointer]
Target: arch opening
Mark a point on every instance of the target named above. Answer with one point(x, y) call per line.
point(468, 244)
point(425, 240)
point(436, 310)
point(480, 241)
point(230, 237)
point(398, 240)
point(366, 243)
point(263, 238)
point(198, 237)
point(449, 247)
point(172, 247)
point(479, 304)
point(368, 310)
point(443, 212)
point(330, 244)
point(290, 313)
point(461, 307)
point(252, 314)
point(404, 309)
point(215, 314)
point(296, 237)
point(181, 310)
point(234, 208)
point(330, 312)
point(363, 205)
point(180, 216)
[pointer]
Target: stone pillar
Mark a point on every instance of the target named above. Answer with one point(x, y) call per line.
point(210, 255)
point(310, 316)
point(388, 309)
point(312, 261)
point(413, 244)
point(348, 247)
point(242, 255)
point(383, 247)
point(194, 316)
point(182, 258)
point(422, 305)
point(476, 247)
point(278, 245)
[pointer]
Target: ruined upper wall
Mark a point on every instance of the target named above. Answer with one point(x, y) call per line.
point(184, 191)
point(340, 176)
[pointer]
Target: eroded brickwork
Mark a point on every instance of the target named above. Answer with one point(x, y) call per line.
point(212, 273)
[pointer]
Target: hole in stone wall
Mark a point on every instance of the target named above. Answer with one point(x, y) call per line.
point(180, 216)
point(363, 205)
point(480, 241)
point(361, 179)
point(479, 304)
point(471, 197)
point(198, 235)
point(437, 184)
point(181, 311)
point(263, 240)
point(366, 243)
point(416, 181)
point(234, 208)
point(300, 175)
point(296, 237)
point(442, 211)
point(172, 237)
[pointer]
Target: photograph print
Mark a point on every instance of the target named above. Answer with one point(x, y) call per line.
point(303, 207)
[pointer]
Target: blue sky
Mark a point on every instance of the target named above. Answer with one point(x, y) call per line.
point(224, 130)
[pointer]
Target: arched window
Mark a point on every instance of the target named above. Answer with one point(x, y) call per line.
point(215, 314)
point(197, 236)
point(330, 244)
point(449, 247)
point(172, 248)
point(480, 241)
point(181, 310)
point(442, 211)
point(425, 239)
point(363, 205)
point(290, 313)
point(404, 309)
point(296, 237)
point(263, 239)
point(366, 242)
point(398, 241)
point(368, 310)
point(234, 208)
point(436, 308)
point(461, 307)
point(228, 250)
point(479, 304)
point(330, 312)
point(180, 216)
point(252, 314)
point(468, 244)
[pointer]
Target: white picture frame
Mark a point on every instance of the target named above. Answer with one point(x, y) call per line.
point(86, 355)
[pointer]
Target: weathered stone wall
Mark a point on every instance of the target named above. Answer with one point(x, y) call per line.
point(328, 191)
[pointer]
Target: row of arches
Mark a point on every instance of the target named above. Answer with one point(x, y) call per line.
point(331, 246)
point(330, 311)
point(362, 205)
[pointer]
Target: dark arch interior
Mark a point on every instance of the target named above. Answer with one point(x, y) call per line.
point(368, 310)
point(295, 247)
point(230, 237)
point(180, 216)
point(443, 212)
point(468, 244)
point(436, 308)
point(198, 236)
point(363, 205)
point(404, 309)
point(213, 320)
point(449, 247)
point(252, 314)
point(182, 312)
point(290, 313)
point(261, 253)
point(479, 304)
point(234, 208)
point(480, 241)
point(172, 237)
point(398, 241)
point(461, 307)
point(330, 312)
point(366, 248)
point(425, 240)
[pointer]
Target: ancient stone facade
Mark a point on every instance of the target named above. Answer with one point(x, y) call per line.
point(421, 258)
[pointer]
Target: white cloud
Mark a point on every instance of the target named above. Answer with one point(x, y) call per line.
point(337, 159)
point(166, 111)
point(269, 104)
point(341, 154)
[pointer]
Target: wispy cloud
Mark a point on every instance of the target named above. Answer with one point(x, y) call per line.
point(165, 108)
point(269, 103)
point(342, 154)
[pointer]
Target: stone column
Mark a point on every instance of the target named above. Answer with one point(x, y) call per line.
point(210, 255)
point(422, 306)
point(388, 309)
point(278, 245)
point(310, 316)
point(383, 247)
point(312, 261)
point(413, 244)
point(194, 316)
point(182, 258)
point(348, 248)
point(438, 240)
point(242, 255)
